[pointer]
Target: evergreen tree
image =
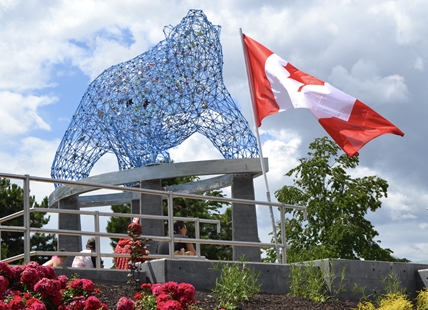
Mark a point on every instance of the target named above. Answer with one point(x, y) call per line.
point(12, 201)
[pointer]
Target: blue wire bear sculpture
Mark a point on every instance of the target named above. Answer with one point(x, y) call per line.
point(140, 108)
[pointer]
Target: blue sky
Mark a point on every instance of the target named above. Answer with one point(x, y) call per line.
point(375, 51)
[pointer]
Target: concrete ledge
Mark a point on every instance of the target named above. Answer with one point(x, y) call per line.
point(202, 275)
point(105, 276)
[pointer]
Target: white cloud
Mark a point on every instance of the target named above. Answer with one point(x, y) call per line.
point(369, 85)
point(18, 113)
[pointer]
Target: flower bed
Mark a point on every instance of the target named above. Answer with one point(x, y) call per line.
point(36, 287)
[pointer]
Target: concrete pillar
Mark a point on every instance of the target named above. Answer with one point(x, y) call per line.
point(152, 205)
point(69, 222)
point(244, 218)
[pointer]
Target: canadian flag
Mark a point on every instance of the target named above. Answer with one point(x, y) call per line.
point(278, 86)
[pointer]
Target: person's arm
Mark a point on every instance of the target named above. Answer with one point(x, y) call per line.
point(190, 249)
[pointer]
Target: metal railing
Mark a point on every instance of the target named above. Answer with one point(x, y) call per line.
point(27, 230)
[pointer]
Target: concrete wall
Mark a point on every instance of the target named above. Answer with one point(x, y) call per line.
point(369, 277)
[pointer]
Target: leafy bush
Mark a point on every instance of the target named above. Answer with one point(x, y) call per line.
point(309, 281)
point(235, 284)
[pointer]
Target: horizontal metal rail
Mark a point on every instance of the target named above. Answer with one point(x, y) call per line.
point(27, 230)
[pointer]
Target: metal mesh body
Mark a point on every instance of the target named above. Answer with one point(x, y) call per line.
point(141, 108)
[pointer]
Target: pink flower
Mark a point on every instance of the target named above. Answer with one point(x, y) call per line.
point(63, 280)
point(125, 304)
point(92, 303)
point(157, 289)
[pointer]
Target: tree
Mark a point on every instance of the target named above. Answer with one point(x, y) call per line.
point(336, 207)
point(118, 224)
point(12, 201)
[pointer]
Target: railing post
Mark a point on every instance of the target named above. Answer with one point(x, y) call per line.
point(97, 239)
point(171, 223)
point(27, 235)
point(198, 236)
point(283, 236)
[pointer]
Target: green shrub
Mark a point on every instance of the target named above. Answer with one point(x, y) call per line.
point(235, 284)
point(309, 281)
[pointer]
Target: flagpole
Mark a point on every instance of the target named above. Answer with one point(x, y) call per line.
point(250, 84)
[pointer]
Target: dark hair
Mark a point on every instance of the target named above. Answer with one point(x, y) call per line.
point(91, 243)
point(178, 225)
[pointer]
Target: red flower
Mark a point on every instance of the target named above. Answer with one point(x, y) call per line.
point(37, 306)
point(88, 285)
point(47, 271)
point(47, 287)
point(125, 304)
point(137, 296)
point(170, 287)
point(146, 287)
point(135, 229)
point(3, 306)
point(92, 303)
point(32, 301)
point(29, 276)
point(187, 290)
point(57, 299)
point(170, 305)
point(5, 270)
point(16, 272)
point(163, 298)
point(16, 303)
point(3, 285)
point(78, 303)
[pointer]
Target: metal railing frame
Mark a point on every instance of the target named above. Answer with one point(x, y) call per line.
point(28, 230)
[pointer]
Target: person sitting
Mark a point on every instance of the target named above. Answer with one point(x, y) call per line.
point(180, 248)
point(56, 260)
point(125, 246)
point(86, 261)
